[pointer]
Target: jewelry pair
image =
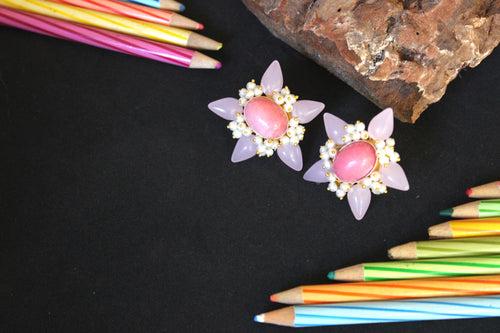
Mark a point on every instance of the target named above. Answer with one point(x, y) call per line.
point(356, 161)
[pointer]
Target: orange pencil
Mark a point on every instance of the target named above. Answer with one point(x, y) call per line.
point(387, 290)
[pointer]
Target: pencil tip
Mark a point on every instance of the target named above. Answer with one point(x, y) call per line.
point(182, 7)
point(468, 192)
point(446, 212)
point(259, 318)
point(201, 26)
point(331, 275)
point(218, 65)
point(272, 298)
point(220, 46)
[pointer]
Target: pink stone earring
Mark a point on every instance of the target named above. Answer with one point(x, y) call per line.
point(357, 162)
point(267, 118)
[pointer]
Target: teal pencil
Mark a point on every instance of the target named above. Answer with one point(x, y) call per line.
point(473, 210)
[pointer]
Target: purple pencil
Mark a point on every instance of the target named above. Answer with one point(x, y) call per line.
point(109, 40)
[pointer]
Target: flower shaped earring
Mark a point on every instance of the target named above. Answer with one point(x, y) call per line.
point(359, 162)
point(267, 118)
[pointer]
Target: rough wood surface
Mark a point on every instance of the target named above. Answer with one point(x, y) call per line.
point(398, 53)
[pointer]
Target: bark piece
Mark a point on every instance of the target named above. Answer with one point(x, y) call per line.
point(398, 53)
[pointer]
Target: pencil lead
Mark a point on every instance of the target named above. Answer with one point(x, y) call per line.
point(446, 212)
point(468, 192)
point(331, 275)
point(259, 318)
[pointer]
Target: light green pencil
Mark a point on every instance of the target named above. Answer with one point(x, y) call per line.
point(446, 248)
point(417, 269)
point(474, 210)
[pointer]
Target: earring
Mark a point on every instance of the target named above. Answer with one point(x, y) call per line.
point(267, 118)
point(359, 162)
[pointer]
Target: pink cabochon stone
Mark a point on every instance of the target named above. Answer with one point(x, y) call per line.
point(354, 161)
point(266, 118)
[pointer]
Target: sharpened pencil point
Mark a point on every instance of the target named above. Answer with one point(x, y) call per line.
point(259, 318)
point(218, 65)
point(446, 212)
point(272, 298)
point(331, 275)
point(182, 7)
point(468, 192)
point(201, 26)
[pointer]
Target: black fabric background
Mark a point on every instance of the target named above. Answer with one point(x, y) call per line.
point(121, 210)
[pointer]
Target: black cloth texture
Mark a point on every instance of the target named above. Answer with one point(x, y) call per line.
point(122, 212)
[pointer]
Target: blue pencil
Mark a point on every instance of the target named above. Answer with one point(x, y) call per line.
point(162, 4)
point(384, 311)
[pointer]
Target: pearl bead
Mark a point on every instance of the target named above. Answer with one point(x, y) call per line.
point(367, 182)
point(356, 136)
point(379, 144)
point(344, 187)
point(332, 187)
point(360, 126)
point(251, 85)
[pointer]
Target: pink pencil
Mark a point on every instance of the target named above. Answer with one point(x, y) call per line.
point(107, 40)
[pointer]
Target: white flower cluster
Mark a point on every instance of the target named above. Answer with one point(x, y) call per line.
point(385, 151)
point(294, 133)
point(266, 147)
point(285, 99)
point(374, 183)
point(250, 91)
point(355, 132)
point(327, 153)
point(239, 127)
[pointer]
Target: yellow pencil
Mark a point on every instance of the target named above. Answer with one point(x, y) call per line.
point(112, 22)
point(466, 228)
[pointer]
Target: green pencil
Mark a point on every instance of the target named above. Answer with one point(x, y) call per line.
point(447, 248)
point(473, 210)
point(416, 269)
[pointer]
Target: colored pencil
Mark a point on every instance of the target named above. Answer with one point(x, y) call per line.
point(473, 210)
point(446, 248)
point(419, 269)
point(387, 290)
point(136, 12)
point(490, 190)
point(163, 4)
point(115, 23)
point(384, 311)
point(106, 39)
point(466, 228)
